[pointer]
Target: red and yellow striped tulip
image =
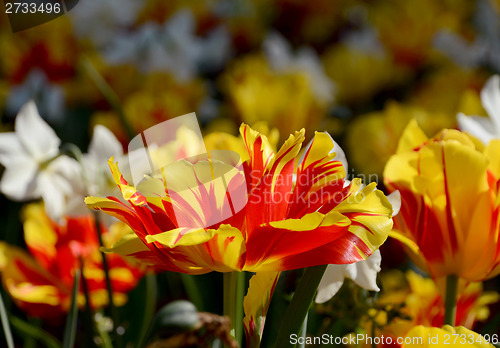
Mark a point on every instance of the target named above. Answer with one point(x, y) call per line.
point(296, 215)
point(41, 283)
point(450, 206)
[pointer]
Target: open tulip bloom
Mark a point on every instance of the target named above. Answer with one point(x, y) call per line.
point(271, 215)
point(449, 218)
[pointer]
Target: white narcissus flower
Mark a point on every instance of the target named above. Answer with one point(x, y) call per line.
point(33, 166)
point(363, 273)
point(484, 128)
point(103, 146)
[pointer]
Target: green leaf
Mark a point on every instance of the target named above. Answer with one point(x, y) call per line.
point(72, 318)
point(28, 329)
point(151, 293)
point(5, 324)
point(298, 308)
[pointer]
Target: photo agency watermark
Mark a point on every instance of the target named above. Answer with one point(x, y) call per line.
point(170, 160)
point(25, 14)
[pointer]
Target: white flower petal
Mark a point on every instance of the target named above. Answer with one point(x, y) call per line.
point(39, 140)
point(19, 180)
point(363, 273)
point(59, 184)
point(10, 148)
point(490, 98)
point(477, 126)
point(104, 145)
point(278, 52)
point(52, 197)
point(395, 200)
point(330, 283)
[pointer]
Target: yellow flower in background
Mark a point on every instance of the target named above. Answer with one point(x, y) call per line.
point(449, 216)
point(407, 28)
point(159, 98)
point(449, 89)
point(372, 71)
point(422, 303)
point(408, 300)
point(285, 100)
point(373, 138)
point(448, 336)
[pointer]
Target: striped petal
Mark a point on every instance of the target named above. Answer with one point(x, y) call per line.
point(256, 304)
point(447, 188)
point(32, 288)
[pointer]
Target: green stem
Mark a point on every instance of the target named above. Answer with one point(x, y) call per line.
point(303, 333)
point(451, 300)
point(89, 315)
point(192, 290)
point(299, 306)
point(112, 307)
point(234, 284)
point(72, 318)
point(30, 341)
point(5, 324)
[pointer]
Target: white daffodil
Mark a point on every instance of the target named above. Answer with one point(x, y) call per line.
point(33, 166)
point(103, 146)
point(484, 128)
point(363, 273)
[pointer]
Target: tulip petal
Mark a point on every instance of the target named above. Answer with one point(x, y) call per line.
point(319, 176)
point(31, 287)
point(39, 235)
point(256, 304)
point(259, 150)
point(412, 137)
point(220, 249)
point(275, 185)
